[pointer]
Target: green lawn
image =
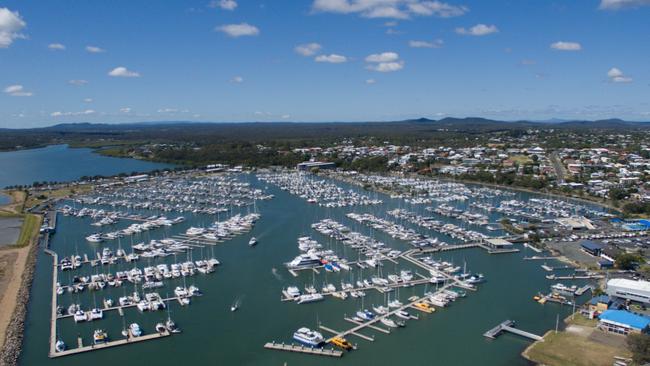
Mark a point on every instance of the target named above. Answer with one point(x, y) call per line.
point(30, 230)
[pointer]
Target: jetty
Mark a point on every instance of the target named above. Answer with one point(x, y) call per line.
point(507, 326)
point(303, 349)
point(120, 342)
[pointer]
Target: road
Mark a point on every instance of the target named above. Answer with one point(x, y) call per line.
point(558, 166)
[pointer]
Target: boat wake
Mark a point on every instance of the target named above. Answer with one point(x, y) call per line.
point(276, 274)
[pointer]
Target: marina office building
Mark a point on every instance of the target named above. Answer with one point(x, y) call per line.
point(623, 288)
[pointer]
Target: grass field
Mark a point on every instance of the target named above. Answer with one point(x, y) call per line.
point(574, 348)
point(29, 231)
point(37, 197)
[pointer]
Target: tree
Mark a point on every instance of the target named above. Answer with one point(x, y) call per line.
point(639, 345)
point(627, 261)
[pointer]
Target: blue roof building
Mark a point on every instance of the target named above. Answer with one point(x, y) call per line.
point(591, 247)
point(623, 322)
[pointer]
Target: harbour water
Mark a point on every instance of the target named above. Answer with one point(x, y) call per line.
point(61, 163)
point(256, 276)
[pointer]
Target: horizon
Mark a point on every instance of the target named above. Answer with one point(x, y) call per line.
point(321, 61)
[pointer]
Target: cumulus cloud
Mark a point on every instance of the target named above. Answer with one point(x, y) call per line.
point(88, 100)
point(17, 91)
point(331, 58)
point(395, 9)
point(566, 46)
point(125, 110)
point(370, 81)
point(11, 23)
point(382, 57)
point(168, 110)
point(56, 46)
point(615, 75)
point(94, 49)
point(622, 4)
point(71, 114)
point(237, 80)
point(123, 72)
point(478, 30)
point(384, 62)
point(308, 49)
point(78, 82)
point(238, 30)
point(223, 4)
point(426, 44)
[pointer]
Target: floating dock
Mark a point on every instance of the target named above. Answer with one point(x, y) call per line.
point(303, 349)
point(119, 342)
point(507, 326)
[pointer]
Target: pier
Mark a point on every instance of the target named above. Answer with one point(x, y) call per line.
point(507, 326)
point(303, 349)
point(120, 342)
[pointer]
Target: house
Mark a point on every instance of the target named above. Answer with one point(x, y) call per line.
point(598, 304)
point(623, 322)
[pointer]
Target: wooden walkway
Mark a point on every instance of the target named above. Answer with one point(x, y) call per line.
point(303, 349)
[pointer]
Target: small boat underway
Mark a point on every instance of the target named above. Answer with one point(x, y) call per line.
point(308, 337)
point(252, 242)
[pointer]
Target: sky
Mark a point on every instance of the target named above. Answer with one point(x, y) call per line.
point(322, 60)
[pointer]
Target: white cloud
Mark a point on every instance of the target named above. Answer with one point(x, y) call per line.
point(370, 81)
point(238, 30)
point(566, 46)
point(384, 62)
point(382, 57)
point(123, 72)
point(426, 44)
point(168, 110)
point(11, 23)
point(125, 110)
point(78, 82)
point(17, 91)
point(56, 46)
point(237, 80)
point(387, 66)
point(332, 58)
point(285, 116)
point(71, 114)
point(223, 4)
point(94, 49)
point(308, 49)
point(395, 9)
point(615, 75)
point(88, 100)
point(478, 30)
point(622, 4)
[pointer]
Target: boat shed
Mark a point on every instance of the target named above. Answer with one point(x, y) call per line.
point(623, 322)
point(498, 243)
point(591, 247)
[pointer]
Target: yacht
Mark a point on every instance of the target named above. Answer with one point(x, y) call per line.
point(403, 314)
point(388, 322)
point(59, 346)
point(365, 314)
point(100, 336)
point(304, 260)
point(309, 337)
point(171, 326)
point(80, 316)
point(160, 328)
point(94, 238)
point(303, 299)
point(252, 242)
point(135, 330)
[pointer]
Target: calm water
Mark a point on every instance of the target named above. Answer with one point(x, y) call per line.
point(450, 336)
point(61, 163)
point(4, 199)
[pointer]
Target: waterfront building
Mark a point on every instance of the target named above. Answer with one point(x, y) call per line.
point(623, 288)
point(308, 165)
point(623, 322)
point(592, 248)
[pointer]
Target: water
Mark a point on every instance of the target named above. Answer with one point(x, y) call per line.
point(256, 276)
point(61, 163)
point(4, 199)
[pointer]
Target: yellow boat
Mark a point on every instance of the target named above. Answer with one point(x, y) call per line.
point(423, 306)
point(342, 343)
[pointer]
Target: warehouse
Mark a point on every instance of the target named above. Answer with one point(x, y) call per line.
point(622, 322)
point(622, 288)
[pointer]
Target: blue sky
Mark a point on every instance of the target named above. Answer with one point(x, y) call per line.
point(322, 60)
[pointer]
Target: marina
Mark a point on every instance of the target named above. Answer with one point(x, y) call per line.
point(373, 261)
